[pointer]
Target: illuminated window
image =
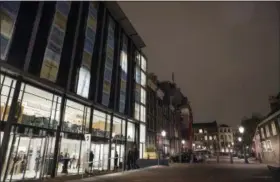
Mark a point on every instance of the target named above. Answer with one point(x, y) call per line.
point(38, 107)
point(7, 84)
point(83, 82)
point(137, 111)
point(143, 96)
point(101, 124)
point(138, 75)
point(143, 79)
point(267, 131)
point(200, 131)
point(273, 126)
point(143, 113)
point(143, 63)
point(130, 131)
point(76, 118)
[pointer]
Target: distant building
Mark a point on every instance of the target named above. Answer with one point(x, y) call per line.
point(205, 136)
point(267, 138)
point(225, 138)
point(161, 117)
point(183, 111)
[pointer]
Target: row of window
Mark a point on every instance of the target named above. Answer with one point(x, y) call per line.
point(225, 130)
point(269, 130)
point(39, 108)
point(54, 65)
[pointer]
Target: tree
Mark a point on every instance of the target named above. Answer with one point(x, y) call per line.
point(250, 125)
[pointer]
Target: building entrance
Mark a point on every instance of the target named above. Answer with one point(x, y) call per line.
point(29, 157)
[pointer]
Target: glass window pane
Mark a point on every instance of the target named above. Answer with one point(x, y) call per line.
point(137, 111)
point(143, 63)
point(83, 82)
point(7, 86)
point(117, 128)
point(143, 96)
point(38, 107)
point(99, 125)
point(76, 119)
point(130, 132)
point(143, 113)
point(137, 75)
point(143, 79)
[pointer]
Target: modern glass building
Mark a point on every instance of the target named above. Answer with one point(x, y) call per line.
point(73, 88)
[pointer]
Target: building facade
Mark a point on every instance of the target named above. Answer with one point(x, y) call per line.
point(161, 117)
point(226, 139)
point(73, 87)
point(205, 136)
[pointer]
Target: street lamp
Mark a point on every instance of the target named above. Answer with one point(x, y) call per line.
point(241, 131)
point(163, 133)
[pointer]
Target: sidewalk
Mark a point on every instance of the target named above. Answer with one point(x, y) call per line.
point(122, 173)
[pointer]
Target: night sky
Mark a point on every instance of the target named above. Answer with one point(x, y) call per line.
point(225, 55)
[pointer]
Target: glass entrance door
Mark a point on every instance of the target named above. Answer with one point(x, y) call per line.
point(27, 158)
point(100, 160)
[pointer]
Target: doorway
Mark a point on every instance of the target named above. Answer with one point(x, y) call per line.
point(29, 157)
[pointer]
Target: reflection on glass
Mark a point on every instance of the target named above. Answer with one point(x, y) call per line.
point(76, 118)
point(38, 108)
point(100, 127)
point(7, 86)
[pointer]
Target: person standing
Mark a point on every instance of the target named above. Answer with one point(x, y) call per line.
point(135, 157)
point(129, 159)
point(116, 160)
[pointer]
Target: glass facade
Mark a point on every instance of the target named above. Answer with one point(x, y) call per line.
point(8, 15)
point(90, 34)
point(140, 99)
point(54, 130)
point(110, 48)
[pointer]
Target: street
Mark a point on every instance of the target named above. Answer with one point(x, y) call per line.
point(208, 172)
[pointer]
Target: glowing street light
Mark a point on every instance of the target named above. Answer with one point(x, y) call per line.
point(163, 133)
point(183, 142)
point(241, 129)
point(239, 139)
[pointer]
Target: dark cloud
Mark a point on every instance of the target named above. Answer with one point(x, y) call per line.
point(225, 55)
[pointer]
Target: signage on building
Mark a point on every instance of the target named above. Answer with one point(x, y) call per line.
point(8, 13)
point(53, 50)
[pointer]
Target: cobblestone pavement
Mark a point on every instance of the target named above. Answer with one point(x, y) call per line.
point(191, 172)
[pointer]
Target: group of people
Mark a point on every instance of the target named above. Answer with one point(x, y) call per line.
point(132, 157)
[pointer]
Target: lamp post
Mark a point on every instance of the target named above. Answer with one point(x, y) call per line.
point(241, 131)
point(182, 148)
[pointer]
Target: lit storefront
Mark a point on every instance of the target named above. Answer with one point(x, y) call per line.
point(61, 117)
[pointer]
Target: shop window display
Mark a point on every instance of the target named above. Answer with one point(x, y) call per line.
point(30, 156)
point(101, 124)
point(7, 86)
point(71, 155)
point(38, 108)
point(76, 118)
